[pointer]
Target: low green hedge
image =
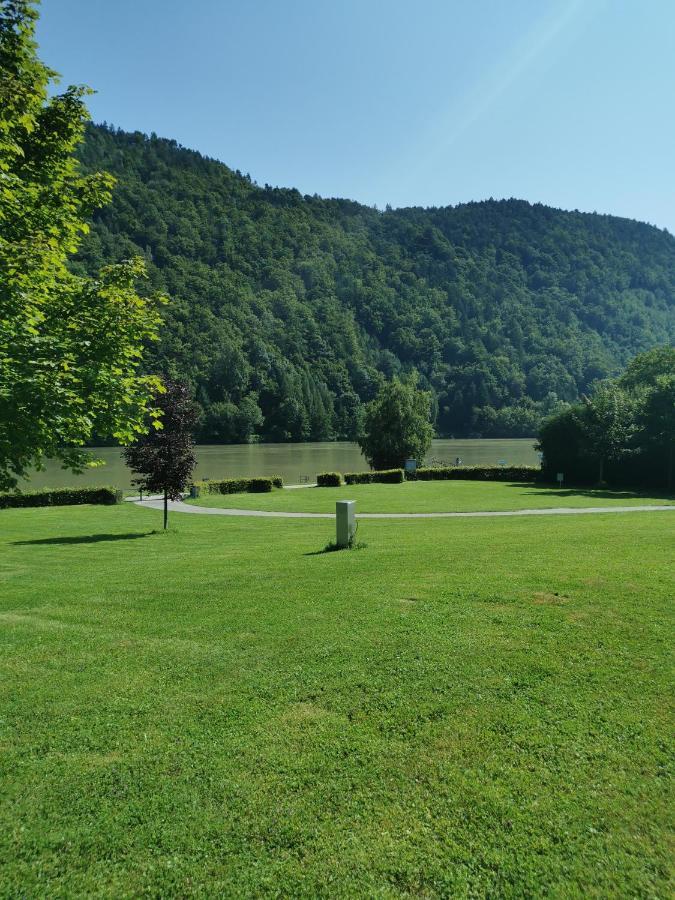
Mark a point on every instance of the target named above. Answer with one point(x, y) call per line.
point(238, 486)
point(62, 497)
point(385, 476)
point(476, 473)
point(329, 479)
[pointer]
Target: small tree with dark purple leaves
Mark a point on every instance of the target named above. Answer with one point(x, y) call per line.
point(164, 458)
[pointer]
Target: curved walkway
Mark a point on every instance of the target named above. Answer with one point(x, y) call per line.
point(178, 506)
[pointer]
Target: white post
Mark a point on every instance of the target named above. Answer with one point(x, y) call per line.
point(345, 522)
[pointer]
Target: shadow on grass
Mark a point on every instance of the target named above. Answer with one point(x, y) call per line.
point(86, 539)
point(549, 490)
point(333, 548)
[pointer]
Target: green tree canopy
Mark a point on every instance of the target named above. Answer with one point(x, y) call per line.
point(626, 427)
point(607, 422)
point(70, 345)
point(293, 308)
point(658, 419)
point(396, 425)
point(643, 372)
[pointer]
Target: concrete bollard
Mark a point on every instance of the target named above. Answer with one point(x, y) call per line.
point(345, 522)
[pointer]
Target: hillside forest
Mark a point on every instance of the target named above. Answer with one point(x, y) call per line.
point(287, 312)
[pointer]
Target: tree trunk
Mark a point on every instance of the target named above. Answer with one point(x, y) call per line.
point(601, 474)
point(166, 509)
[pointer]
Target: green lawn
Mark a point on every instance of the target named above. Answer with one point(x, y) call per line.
point(430, 496)
point(465, 708)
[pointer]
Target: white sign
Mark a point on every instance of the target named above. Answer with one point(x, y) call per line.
point(560, 477)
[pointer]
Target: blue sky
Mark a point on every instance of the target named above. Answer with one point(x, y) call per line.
point(407, 102)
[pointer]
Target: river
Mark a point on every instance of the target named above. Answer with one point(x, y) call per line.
point(294, 462)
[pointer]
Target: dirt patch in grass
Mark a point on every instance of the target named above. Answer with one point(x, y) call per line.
point(546, 598)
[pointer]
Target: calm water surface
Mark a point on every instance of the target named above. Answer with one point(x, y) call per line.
point(294, 462)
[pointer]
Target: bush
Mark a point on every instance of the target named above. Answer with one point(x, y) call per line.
point(384, 476)
point(329, 479)
point(260, 485)
point(106, 496)
point(238, 485)
point(476, 473)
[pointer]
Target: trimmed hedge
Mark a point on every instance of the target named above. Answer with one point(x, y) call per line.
point(476, 473)
point(329, 479)
point(239, 485)
point(384, 476)
point(106, 496)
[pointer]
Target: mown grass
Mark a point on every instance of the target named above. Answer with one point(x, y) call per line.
point(431, 496)
point(464, 708)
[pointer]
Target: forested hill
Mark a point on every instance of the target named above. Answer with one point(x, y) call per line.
point(286, 310)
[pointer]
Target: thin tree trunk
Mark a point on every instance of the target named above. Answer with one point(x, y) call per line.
point(166, 509)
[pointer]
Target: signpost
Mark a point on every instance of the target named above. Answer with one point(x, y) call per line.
point(560, 478)
point(410, 465)
point(345, 522)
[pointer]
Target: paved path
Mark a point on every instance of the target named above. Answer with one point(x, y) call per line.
point(177, 506)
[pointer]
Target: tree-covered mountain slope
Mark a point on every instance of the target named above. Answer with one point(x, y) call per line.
point(286, 310)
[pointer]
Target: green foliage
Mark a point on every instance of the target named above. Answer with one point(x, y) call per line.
point(657, 420)
point(607, 424)
point(396, 425)
point(385, 476)
point(625, 432)
point(329, 479)
point(70, 345)
point(61, 497)
point(642, 372)
point(475, 473)
point(287, 311)
point(239, 485)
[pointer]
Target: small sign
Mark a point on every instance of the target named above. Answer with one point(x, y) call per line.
point(560, 477)
point(410, 465)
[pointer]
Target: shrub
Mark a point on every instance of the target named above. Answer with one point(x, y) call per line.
point(62, 497)
point(260, 485)
point(239, 485)
point(476, 473)
point(384, 476)
point(329, 479)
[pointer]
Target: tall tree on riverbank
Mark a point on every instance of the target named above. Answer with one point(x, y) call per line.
point(628, 423)
point(397, 425)
point(658, 421)
point(164, 457)
point(70, 346)
point(607, 423)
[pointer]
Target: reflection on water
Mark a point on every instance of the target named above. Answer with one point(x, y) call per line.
point(294, 462)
